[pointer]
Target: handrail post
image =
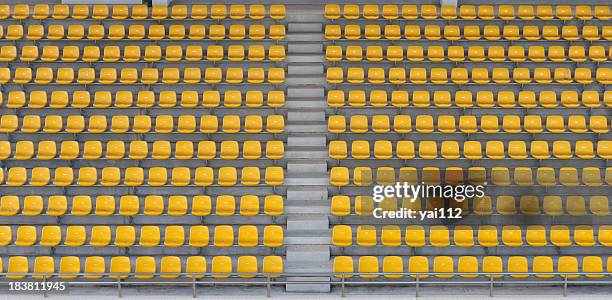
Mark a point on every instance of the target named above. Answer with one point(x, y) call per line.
point(416, 292)
point(119, 287)
point(342, 288)
point(45, 286)
point(193, 286)
point(565, 286)
point(268, 285)
point(491, 287)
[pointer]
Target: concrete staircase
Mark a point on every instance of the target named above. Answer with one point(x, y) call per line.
point(307, 236)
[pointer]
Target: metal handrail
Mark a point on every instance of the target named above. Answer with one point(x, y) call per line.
point(341, 279)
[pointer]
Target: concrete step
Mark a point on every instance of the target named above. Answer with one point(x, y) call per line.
point(308, 115)
point(306, 103)
point(308, 287)
point(303, 79)
point(308, 180)
point(311, 140)
point(317, 254)
point(306, 128)
point(306, 166)
point(305, 69)
point(299, 92)
point(306, 209)
point(304, 58)
point(307, 193)
point(305, 153)
point(305, 37)
point(308, 224)
point(305, 27)
point(305, 47)
point(309, 240)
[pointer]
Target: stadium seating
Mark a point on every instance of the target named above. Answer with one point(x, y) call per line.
point(178, 108)
point(511, 97)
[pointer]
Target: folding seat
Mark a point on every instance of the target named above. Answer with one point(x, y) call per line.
point(501, 75)
point(343, 264)
point(120, 12)
point(30, 53)
point(389, 12)
point(598, 124)
point(17, 264)
point(275, 53)
point(197, 32)
point(583, 236)
point(333, 32)
point(432, 32)
point(159, 12)
point(92, 53)
point(439, 236)
point(69, 264)
point(512, 236)
point(156, 32)
point(531, 33)
point(332, 12)
point(602, 12)
point(179, 12)
point(583, 12)
point(116, 32)
point(376, 75)
point(370, 11)
point(471, 32)
point(560, 236)
point(94, 32)
point(597, 53)
point(14, 32)
point(392, 32)
point(193, 53)
point(592, 263)
point(96, 264)
point(467, 12)
point(569, 33)
point(517, 264)
point(136, 32)
point(556, 53)
point(536, 235)
point(60, 12)
point(100, 11)
point(41, 11)
point(590, 33)
point(120, 265)
point(475, 53)
point(452, 33)
point(604, 235)
point(602, 75)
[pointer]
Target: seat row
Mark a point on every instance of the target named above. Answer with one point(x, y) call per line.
point(143, 99)
point(150, 205)
point(160, 149)
point(46, 75)
point(466, 124)
point(500, 176)
point(466, 99)
point(468, 32)
point(466, 12)
point(590, 265)
point(513, 53)
point(142, 124)
point(147, 236)
point(397, 75)
point(117, 32)
point(141, 12)
point(538, 149)
point(464, 236)
point(504, 205)
point(135, 176)
point(143, 266)
point(150, 53)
